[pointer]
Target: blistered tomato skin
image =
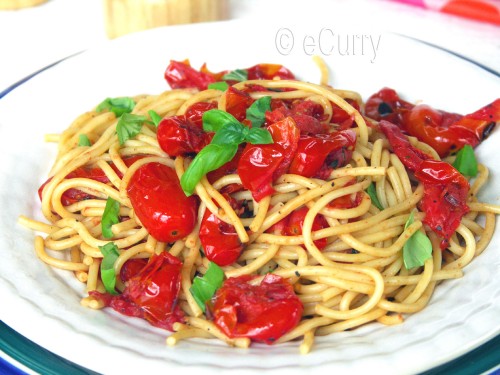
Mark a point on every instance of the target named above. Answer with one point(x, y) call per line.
point(151, 291)
point(262, 312)
point(296, 222)
point(445, 189)
point(219, 240)
point(318, 155)
point(445, 132)
point(155, 289)
point(180, 75)
point(260, 165)
point(179, 136)
point(160, 204)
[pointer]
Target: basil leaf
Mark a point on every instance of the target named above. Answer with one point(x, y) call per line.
point(155, 117)
point(208, 159)
point(215, 119)
point(129, 125)
point(256, 113)
point(230, 133)
point(411, 219)
point(83, 140)
point(204, 288)
point(236, 75)
point(118, 106)
point(372, 192)
point(221, 86)
point(110, 255)
point(259, 136)
point(110, 217)
point(417, 249)
point(466, 162)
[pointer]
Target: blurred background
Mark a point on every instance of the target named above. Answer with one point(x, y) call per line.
point(36, 33)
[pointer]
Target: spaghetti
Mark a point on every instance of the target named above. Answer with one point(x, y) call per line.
point(347, 272)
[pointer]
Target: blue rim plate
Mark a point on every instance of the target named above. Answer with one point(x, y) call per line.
point(105, 72)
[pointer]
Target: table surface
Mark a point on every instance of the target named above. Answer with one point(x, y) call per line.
point(33, 38)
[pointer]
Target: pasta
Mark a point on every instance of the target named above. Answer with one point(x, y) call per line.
point(356, 276)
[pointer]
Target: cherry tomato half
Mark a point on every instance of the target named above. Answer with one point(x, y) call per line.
point(269, 71)
point(155, 290)
point(323, 153)
point(410, 156)
point(306, 114)
point(446, 132)
point(151, 293)
point(237, 103)
point(260, 165)
point(195, 112)
point(445, 189)
point(180, 75)
point(219, 240)
point(445, 197)
point(160, 204)
point(263, 312)
point(296, 222)
point(179, 136)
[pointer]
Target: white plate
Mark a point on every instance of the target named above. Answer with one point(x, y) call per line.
point(43, 304)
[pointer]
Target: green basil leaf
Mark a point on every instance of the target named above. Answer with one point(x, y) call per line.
point(372, 192)
point(411, 219)
point(118, 106)
point(129, 125)
point(110, 217)
point(155, 117)
point(236, 75)
point(221, 86)
point(110, 255)
point(466, 162)
point(204, 288)
point(83, 140)
point(230, 133)
point(215, 119)
point(208, 159)
point(417, 249)
point(259, 136)
point(256, 113)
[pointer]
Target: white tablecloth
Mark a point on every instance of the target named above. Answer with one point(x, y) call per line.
point(35, 37)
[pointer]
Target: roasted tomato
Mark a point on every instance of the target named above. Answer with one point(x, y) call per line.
point(180, 75)
point(269, 71)
point(152, 293)
point(263, 312)
point(445, 189)
point(446, 132)
point(318, 155)
point(386, 104)
point(195, 112)
point(306, 114)
point(131, 268)
point(160, 204)
point(260, 165)
point(237, 103)
point(296, 222)
point(341, 117)
point(179, 136)
point(445, 197)
point(410, 156)
point(219, 240)
point(449, 132)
